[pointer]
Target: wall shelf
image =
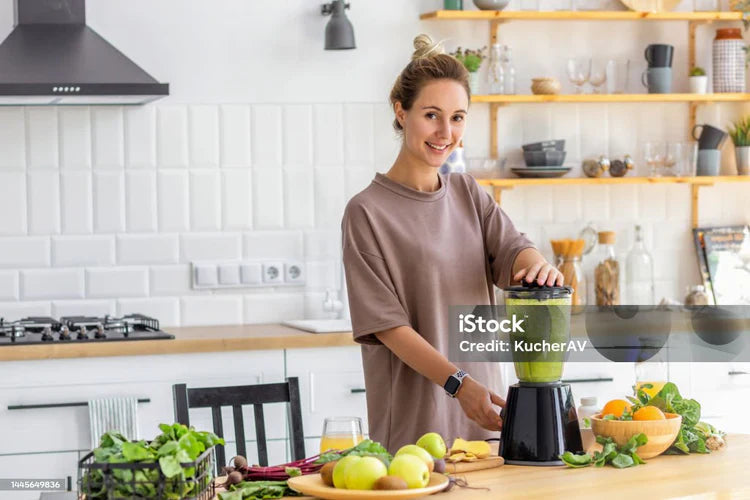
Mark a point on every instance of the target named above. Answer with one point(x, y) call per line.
point(592, 15)
point(598, 98)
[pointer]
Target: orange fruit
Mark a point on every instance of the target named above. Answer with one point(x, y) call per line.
point(616, 407)
point(649, 413)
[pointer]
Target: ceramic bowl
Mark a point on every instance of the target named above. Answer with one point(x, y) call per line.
point(544, 158)
point(545, 86)
point(491, 4)
point(555, 145)
point(660, 433)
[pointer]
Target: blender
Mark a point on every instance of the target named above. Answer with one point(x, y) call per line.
point(539, 419)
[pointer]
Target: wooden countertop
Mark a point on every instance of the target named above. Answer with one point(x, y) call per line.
point(187, 340)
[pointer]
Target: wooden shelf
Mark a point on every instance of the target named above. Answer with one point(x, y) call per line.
point(594, 98)
point(593, 15)
point(699, 181)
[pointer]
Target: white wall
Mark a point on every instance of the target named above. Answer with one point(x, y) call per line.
point(265, 137)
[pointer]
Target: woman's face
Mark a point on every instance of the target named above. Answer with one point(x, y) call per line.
point(433, 127)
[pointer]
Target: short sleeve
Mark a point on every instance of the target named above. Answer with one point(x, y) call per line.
point(373, 301)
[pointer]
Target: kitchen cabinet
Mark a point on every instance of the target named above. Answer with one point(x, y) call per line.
point(37, 465)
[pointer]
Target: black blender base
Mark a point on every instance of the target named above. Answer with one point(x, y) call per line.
point(539, 424)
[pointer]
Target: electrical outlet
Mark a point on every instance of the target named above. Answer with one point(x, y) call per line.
point(272, 272)
point(294, 272)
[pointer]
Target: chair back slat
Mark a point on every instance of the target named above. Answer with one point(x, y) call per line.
point(260, 435)
point(180, 397)
point(239, 430)
point(219, 431)
point(297, 441)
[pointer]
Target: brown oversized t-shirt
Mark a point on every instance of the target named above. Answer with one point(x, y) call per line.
point(410, 255)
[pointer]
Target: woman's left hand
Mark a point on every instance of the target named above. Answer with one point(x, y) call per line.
point(543, 272)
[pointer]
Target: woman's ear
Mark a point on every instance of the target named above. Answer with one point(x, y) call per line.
point(400, 113)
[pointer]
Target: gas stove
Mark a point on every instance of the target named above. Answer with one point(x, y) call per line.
point(69, 329)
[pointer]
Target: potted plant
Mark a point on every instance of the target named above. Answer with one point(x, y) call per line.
point(698, 80)
point(472, 60)
point(740, 134)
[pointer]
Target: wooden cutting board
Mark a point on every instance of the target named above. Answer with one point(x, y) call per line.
point(480, 464)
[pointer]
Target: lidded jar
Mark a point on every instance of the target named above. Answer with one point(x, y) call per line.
point(607, 271)
point(728, 57)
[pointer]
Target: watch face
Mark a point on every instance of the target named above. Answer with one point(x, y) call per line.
point(452, 385)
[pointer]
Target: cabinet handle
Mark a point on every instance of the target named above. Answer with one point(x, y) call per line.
point(586, 380)
point(357, 391)
point(735, 372)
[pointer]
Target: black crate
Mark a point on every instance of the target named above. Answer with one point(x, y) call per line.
point(105, 481)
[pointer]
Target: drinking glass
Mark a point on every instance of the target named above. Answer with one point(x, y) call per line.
point(579, 70)
point(673, 157)
point(618, 73)
point(653, 156)
point(598, 75)
point(341, 433)
point(689, 159)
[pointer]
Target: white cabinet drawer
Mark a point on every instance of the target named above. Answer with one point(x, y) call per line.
point(38, 466)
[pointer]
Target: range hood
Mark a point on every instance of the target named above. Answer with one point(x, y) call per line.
point(52, 58)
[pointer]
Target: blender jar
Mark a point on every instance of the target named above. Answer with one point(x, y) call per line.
point(546, 317)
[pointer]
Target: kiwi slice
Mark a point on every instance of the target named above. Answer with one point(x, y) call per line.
point(326, 473)
point(390, 483)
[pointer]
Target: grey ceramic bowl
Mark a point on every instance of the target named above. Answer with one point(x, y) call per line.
point(491, 4)
point(556, 145)
point(544, 158)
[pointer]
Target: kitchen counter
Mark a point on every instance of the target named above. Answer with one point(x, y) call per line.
point(194, 339)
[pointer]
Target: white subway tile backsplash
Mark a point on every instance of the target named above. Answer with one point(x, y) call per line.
point(322, 274)
point(298, 135)
point(8, 285)
point(117, 282)
point(18, 310)
point(623, 130)
point(140, 136)
point(273, 245)
point(567, 204)
point(44, 202)
point(172, 136)
point(359, 134)
point(314, 306)
point(108, 137)
point(236, 198)
point(165, 309)
point(565, 126)
point(235, 135)
point(174, 209)
point(321, 245)
point(328, 134)
point(595, 202)
point(109, 202)
point(147, 249)
point(70, 251)
point(299, 199)
point(594, 130)
point(170, 280)
point(267, 132)
point(41, 126)
point(541, 209)
point(24, 252)
point(330, 197)
point(537, 124)
point(387, 141)
point(652, 202)
point(357, 179)
point(75, 197)
point(204, 136)
point(52, 284)
point(210, 246)
point(13, 138)
point(205, 200)
point(211, 310)
point(623, 202)
point(140, 201)
point(268, 199)
point(97, 307)
point(273, 308)
point(75, 136)
point(12, 203)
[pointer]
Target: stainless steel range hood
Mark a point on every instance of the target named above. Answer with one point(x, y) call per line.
point(52, 58)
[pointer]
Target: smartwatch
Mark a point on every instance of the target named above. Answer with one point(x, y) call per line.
point(454, 382)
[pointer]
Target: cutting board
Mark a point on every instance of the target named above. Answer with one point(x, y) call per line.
point(480, 464)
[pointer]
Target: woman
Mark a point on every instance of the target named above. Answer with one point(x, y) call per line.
point(415, 243)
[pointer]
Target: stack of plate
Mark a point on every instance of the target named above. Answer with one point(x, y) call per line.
point(543, 159)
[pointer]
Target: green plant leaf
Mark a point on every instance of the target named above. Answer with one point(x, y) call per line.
point(622, 461)
point(576, 461)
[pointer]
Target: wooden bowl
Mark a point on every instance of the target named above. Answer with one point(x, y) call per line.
point(660, 433)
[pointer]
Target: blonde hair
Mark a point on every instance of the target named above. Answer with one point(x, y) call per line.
point(429, 62)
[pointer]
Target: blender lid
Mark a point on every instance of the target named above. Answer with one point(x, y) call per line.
point(534, 290)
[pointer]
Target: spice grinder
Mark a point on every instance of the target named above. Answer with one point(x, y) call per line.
point(539, 419)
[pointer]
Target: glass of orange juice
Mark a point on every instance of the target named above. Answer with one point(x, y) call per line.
point(341, 433)
point(651, 391)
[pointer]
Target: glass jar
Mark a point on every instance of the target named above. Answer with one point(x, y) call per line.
point(607, 271)
point(495, 80)
point(572, 271)
point(509, 72)
point(639, 273)
point(697, 296)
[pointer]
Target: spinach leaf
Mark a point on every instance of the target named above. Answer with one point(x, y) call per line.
point(576, 461)
point(622, 461)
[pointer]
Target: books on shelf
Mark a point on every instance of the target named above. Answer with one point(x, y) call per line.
point(723, 255)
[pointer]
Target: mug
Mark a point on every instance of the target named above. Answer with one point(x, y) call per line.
point(657, 80)
point(710, 137)
point(709, 161)
point(659, 55)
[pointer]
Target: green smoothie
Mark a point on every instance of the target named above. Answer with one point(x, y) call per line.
point(546, 318)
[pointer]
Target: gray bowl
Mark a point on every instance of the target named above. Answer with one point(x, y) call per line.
point(555, 145)
point(491, 4)
point(544, 158)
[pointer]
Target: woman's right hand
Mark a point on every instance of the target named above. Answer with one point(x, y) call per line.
point(477, 402)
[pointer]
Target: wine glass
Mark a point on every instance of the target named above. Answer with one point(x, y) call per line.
point(341, 433)
point(653, 155)
point(579, 70)
point(598, 75)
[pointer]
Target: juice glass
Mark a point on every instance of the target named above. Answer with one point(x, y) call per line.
point(651, 391)
point(341, 433)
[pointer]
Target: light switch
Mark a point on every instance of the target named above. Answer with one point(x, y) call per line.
point(250, 273)
point(229, 274)
point(204, 274)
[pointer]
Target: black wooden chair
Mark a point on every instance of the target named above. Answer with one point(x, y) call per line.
point(236, 396)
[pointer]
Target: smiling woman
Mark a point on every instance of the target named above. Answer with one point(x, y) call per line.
point(417, 242)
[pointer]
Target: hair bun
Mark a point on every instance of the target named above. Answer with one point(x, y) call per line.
point(425, 47)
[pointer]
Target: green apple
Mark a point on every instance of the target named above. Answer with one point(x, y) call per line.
point(411, 469)
point(434, 444)
point(340, 470)
point(362, 474)
point(420, 453)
